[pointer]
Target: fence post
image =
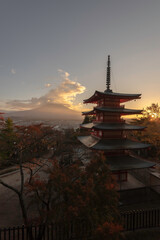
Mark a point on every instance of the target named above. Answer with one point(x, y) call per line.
point(155, 217)
point(13, 233)
point(4, 235)
point(133, 219)
point(9, 233)
point(23, 232)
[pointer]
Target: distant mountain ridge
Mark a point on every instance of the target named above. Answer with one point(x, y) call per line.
point(49, 111)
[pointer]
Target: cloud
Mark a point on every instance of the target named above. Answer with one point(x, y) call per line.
point(48, 85)
point(63, 73)
point(65, 93)
point(13, 71)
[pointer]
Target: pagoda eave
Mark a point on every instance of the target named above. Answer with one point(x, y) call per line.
point(123, 97)
point(127, 162)
point(111, 126)
point(92, 112)
point(111, 144)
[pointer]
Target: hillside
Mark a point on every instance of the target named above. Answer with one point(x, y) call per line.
point(50, 111)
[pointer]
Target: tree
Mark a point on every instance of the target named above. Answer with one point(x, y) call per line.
point(88, 119)
point(8, 140)
point(152, 112)
point(151, 134)
point(72, 192)
point(29, 141)
point(63, 192)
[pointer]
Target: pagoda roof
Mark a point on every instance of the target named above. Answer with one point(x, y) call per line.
point(112, 126)
point(111, 144)
point(89, 112)
point(127, 162)
point(122, 111)
point(123, 97)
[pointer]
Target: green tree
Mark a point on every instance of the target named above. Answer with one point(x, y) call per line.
point(8, 142)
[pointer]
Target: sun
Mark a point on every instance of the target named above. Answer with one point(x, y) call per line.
point(152, 115)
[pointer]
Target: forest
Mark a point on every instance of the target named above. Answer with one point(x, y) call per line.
point(60, 186)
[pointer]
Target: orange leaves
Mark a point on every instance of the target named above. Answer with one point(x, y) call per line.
point(151, 134)
point(109, 231)
point(73, 211)
point(35, 183)
point(110, 186)
point(68, 192)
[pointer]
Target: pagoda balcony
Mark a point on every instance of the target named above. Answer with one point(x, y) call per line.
point(109, 121)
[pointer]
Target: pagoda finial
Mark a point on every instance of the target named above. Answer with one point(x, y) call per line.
point(108, 75)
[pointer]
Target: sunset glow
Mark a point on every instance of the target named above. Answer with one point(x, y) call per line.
point(57, 51)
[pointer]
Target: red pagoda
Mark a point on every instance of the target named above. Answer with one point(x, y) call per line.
point(108, 132)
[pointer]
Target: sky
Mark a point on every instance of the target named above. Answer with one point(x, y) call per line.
point(56, 51)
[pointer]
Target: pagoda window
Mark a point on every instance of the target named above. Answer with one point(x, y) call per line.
point(123, 176)
point(102, 102)
point(101, 117)
point(100, 133)
point(120, 176)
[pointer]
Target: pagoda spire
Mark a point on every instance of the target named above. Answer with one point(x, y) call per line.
point(108, 75)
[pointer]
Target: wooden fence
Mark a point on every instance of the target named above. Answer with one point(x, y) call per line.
point(131, 221)
point(140, 219)
point(64, 231)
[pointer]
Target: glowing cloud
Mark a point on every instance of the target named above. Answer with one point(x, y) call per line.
point(64, 94)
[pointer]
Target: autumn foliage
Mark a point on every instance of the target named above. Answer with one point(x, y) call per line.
point(151, 134)
point(25, 142)
point(60, 188)
point(72, 192)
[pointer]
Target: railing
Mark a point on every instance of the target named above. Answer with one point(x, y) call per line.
point(131, 221)
point(64, 231)
point(140, 219)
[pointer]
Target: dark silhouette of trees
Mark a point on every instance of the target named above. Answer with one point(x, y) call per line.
point(8, 140)
point(88, 119)
point(73, 192)
point(61, 190)
point(151, 134)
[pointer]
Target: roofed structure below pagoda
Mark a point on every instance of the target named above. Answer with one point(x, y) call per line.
point(122, 111)
point(123, 97)
point(126, 162)
point(111, 144)
point(112, 126)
